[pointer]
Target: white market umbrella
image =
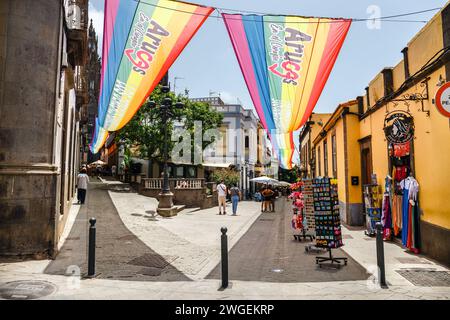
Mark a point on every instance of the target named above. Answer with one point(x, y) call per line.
point(98, 162)
point(265, 179)
point(284, 183)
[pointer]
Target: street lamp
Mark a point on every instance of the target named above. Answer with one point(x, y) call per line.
point(167, 108)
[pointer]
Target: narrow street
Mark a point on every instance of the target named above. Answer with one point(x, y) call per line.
point(140, 256)
point(119, 253)
point(268, 252)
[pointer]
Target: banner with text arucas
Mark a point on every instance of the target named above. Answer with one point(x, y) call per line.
point(141, 40)
point(285, 61)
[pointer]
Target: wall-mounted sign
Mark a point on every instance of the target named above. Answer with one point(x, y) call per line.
point(399, 127)
point(355, 180)
point(443, 99)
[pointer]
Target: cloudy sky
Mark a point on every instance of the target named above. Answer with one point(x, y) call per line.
point(208, 63)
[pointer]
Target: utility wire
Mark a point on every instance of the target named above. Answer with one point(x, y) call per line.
point(331, 20)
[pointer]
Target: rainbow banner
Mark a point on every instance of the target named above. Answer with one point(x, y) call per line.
point(286, 62)
point(141, 40)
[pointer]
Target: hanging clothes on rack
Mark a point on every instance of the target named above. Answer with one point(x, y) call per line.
point(397, 213)
point(386, 218)
point(401, 150)
point(410, 214)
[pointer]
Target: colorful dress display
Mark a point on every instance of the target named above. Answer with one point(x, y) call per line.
point(386, 218)
point(410, 214)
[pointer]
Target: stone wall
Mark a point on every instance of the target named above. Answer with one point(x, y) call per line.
point(29, 72)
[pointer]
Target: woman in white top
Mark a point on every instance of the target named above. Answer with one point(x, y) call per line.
point(221, 196)
point(82, 183)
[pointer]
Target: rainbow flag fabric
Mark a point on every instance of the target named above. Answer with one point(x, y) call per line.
point(141, 40)
point(285, 61)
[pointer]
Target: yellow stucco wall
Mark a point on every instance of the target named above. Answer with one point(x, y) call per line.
point(425, 44)
point(376, 89)
point(318, 117)
point(354, 158)
point(432, 160)
point(380, 162)
point(340, 159)
point(398, 73)
point(338, 131)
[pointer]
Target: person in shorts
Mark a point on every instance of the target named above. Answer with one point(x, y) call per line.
point(222, 197)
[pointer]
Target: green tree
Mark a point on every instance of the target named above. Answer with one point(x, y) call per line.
point(228, 175)
point(145, 131)
point(289, 175)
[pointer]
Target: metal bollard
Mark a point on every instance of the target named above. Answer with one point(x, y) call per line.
point(380, 255)
point(91, 253)
point(224, 247)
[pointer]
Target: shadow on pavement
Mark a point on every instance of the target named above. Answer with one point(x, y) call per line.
point(268, 252)
point(120, 255)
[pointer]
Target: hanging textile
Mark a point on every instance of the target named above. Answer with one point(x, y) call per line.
point(410, 227)
point(141, 40)
point(285, 62)
point(386, 217)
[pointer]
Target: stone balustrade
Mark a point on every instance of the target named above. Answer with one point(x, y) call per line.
point(174, 183)
point(191, 192)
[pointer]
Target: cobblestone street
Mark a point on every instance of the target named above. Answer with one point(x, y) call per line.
point(269, 252)
point(141, 255)
point(119, 253)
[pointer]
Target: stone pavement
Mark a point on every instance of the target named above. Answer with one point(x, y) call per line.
point(191, 239)
point(269, 252)
point(120, 254)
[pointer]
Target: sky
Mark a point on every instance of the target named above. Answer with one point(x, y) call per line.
point(208, 63)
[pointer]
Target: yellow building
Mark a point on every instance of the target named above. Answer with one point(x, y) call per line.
point(310, 129)
point(360, 143)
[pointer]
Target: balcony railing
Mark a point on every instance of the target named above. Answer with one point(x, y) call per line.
point(77, 22)
point(174, 183)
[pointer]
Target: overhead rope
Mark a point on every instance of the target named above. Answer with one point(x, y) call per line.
point(331, 19)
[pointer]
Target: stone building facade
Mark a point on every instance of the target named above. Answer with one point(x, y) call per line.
point(93, 72)
point(43, 95)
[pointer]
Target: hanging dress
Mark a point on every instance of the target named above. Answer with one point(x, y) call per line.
point(405, 213)
point(386, 217)
point(414, 239)
point(410, 228)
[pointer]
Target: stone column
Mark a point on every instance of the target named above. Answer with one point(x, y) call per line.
point(29, 76)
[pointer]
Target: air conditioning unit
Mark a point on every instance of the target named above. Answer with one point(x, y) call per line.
point(64, 62)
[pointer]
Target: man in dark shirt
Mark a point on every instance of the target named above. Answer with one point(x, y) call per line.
point(267, 193)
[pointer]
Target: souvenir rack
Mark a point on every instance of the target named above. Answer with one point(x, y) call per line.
point(372, 203)
point(327, 219)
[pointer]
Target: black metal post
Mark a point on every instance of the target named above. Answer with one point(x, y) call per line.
point(380, 255)
point(91, 254)
point(224, 247)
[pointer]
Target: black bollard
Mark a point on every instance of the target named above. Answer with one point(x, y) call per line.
point(380, 255)
point(91, 253)
point(224, 247)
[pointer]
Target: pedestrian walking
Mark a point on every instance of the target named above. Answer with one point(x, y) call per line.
point(274, 197)
point(82, 183)
point(113, 170)
point(236, 195)
point(99, 171)
point(267, 194)
point(222, 197)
